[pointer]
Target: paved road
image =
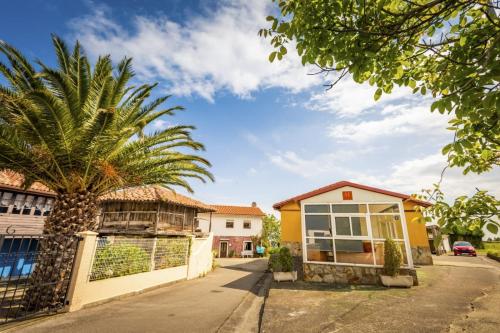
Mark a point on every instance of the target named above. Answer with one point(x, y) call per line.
point(200, 305)
point(457, 294)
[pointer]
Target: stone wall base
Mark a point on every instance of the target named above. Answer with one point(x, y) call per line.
point(344, 275)
point(421, 255)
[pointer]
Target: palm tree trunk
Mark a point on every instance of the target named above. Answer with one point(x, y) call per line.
point(47, 285)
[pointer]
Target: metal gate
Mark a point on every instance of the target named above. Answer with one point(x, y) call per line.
point(24, 290)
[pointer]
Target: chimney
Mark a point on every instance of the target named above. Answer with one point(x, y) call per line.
point(254, 204)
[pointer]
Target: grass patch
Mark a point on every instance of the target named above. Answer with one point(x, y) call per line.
point(489, 247)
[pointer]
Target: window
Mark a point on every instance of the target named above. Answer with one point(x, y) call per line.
point(349, 208)
point(39, 204)
point(28, 203)
point(347, 195)
point(247, 225)
point(385, 208)
point(317, 209)
point(229, 224)
point(18, 203)
point(247, 246)
point(5, 201)
point(318, 226)
point(48, 206)
point(351, 233)
point(386, 226)
point(351, 226)
point(320, 250)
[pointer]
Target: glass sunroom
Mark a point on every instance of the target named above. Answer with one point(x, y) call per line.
point(352, 233)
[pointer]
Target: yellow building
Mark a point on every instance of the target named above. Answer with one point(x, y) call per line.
point(345, 224)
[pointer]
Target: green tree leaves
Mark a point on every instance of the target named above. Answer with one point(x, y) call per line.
point(446, 48)
point(78, 128)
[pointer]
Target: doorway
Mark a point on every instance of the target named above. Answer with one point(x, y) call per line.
point(223, 246)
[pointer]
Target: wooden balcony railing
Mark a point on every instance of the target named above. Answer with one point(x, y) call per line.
point(144, 221)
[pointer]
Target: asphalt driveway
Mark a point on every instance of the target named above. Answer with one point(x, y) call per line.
point(457, 294)
point(200, 305)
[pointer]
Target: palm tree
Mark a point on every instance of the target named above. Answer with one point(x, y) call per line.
point(80, 131)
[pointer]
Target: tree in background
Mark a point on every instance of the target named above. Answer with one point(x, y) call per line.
point(271, 230)
point(466, 216)
point(79, 130)
point(446, 48)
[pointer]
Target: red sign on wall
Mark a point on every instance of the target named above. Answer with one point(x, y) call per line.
point(347, 195)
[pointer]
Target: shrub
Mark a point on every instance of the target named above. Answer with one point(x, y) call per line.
point(393, 257)
point(274, 250)
point(282, 261)
point(115, 260)
point(171, 252)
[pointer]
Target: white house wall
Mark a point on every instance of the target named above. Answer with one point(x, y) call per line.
point(219, 224)
point(358, 195)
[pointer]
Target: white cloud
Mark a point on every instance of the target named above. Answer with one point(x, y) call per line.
point(421, 173)
point(160, 124)
point(396, 120)
point(204, 55)
point(318, 166)
point(410, 176)
point(350, 99)
point(307, 168)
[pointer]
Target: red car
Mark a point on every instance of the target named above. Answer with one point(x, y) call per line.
point(461, 247)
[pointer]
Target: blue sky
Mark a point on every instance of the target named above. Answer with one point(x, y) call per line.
point(271, 130)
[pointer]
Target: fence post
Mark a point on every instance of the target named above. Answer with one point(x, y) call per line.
point(81, 269)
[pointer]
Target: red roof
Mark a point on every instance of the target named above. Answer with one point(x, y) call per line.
point(341, 184)
point(14, 181)
point(237, 210)
point(154, 193)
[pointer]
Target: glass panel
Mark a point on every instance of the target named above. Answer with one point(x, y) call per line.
point(349, 208)
point(320, 250)
point(403, 251)
point(318, 226)
point(317, 208)
point(379, 253)
point(354, 251)
point(386, 226)
point(343, 226)
point(384, 208)
point(359, 226)
point(6, 198)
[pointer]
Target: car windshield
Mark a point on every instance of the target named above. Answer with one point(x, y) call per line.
point(462, 244)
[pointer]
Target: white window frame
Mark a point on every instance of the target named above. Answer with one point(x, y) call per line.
point(249, 223)
point(366, 215)
point(231, 221)
point(251, 245)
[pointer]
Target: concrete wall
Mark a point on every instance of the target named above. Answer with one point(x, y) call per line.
point(200, 257)
point(83, 292)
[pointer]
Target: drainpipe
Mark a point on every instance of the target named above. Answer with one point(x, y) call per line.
point(210, 223)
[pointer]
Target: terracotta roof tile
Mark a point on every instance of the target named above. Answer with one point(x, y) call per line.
point(13, 180)
point(338, 185)
point(154, 193)
point(237, 210)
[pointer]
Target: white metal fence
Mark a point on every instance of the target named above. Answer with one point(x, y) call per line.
point(120, 256)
